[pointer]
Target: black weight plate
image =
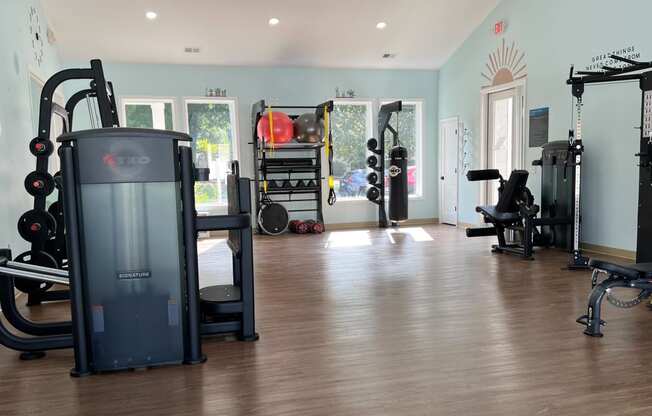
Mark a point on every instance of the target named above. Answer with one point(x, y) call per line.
point(372, 144)
point(56, 210)
point(372, 178)
point(56, 247)
point(37, 226)
point(40, 147)
point(39, 184)
point(58, 180)
point(372, 161)
point(273, 219)
point(373, 193)
point(39, 258)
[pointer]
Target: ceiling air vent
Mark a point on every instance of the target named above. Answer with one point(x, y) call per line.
point(191, 50)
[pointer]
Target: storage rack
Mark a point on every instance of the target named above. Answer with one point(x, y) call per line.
point(289, 162)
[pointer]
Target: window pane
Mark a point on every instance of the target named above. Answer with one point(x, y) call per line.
point(210, 126)
point(139, 116)
point(168, 116)
point(350, 130)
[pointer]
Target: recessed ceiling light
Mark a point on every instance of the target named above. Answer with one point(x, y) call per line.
point(381, 25)
point(151, 15)
point(273, 21)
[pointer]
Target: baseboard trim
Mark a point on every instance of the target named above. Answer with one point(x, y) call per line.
point(374, 224)
point(608, 251)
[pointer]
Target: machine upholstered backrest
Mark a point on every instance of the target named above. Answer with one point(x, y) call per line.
point(512, 189)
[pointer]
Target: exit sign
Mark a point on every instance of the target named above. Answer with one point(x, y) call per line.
point(499, 27)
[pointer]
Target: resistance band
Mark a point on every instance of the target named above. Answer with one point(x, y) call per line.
point(328, 139)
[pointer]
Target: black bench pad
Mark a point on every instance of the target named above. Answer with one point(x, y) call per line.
point(500, 217)
point(632, 271)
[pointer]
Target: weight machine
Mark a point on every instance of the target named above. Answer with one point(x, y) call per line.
point(633, 276)
point(42, 226)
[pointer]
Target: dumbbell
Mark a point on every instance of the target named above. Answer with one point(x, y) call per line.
point(315, 227)
point(299, 227)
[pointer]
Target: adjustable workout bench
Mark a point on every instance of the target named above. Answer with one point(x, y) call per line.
point(632, 276)
point(515, 211)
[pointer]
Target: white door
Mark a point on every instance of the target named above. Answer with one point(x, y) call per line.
point(502, 148)
point(448, 163)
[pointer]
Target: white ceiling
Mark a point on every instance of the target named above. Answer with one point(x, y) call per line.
point(332, 33)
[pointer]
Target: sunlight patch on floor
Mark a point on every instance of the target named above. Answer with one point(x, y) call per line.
point(348, 239)
point(416, 234)
point(205, 245)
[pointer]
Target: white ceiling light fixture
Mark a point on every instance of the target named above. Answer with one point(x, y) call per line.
point(273, 21)
point(151, 15)
point(381, 25)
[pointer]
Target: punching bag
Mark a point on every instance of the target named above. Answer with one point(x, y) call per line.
point(398, 184)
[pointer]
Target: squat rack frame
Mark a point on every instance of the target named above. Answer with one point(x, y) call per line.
point(629, 72)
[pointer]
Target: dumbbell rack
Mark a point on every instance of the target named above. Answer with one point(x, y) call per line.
point(307, 166)
point(44, 229)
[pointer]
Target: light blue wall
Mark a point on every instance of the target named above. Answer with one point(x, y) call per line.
point(16, 128)
point(292, 86)
point(555, 34)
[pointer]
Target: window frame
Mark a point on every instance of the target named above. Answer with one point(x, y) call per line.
point(147, 100)
point(420, 130)
point(370, 104)
point(233, 111)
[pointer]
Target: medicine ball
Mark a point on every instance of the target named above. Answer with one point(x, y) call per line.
point(283, 128)
point(273, 219)
point(308, 128)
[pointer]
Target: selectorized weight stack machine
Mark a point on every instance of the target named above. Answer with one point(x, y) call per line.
point(397, 171)
point(131, 233)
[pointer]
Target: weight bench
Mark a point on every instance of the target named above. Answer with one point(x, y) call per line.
point(631, 276)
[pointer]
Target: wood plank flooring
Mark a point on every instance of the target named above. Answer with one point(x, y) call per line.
point(421, 322)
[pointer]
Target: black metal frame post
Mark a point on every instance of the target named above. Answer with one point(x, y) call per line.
point(384, 117)
point(630, 72)
point(75, 270)
point(193, 328)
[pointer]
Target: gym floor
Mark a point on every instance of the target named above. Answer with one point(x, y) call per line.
point(421, 321)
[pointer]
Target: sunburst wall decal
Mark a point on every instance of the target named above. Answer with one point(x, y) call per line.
point(505, 65)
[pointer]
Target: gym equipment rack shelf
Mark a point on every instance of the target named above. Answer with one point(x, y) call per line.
point(310, 152)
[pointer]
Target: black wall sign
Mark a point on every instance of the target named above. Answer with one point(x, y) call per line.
point(539, 124)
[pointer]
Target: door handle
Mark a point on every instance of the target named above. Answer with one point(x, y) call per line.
point(441, 177)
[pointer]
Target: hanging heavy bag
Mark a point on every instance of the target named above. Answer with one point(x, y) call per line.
point(398, 184)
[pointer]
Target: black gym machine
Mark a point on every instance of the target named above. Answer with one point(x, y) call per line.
point(637, 276)
point(397, 171)
point(553, 223)
point(118, 255)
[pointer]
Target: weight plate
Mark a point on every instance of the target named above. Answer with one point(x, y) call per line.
point(372, 144)
point(40, 147)
point(56, 247)
point(373, 193)
point(372, 161)
point(37, 226)
point(372, 178)
point(39, 258)
point(58, 180)
point(273, 219)
point(39, 184)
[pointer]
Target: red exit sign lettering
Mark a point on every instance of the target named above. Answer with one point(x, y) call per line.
point(499, 27)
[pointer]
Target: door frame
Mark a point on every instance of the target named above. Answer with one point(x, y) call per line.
point(456, 120)
point(520, 86)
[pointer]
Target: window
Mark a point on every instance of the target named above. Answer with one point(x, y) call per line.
point(410, 130)
point(148, 113)
point(351, 128)
point(212, 124)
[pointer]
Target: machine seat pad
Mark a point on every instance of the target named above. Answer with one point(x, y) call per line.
point(499, 217)
point(632, 271)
